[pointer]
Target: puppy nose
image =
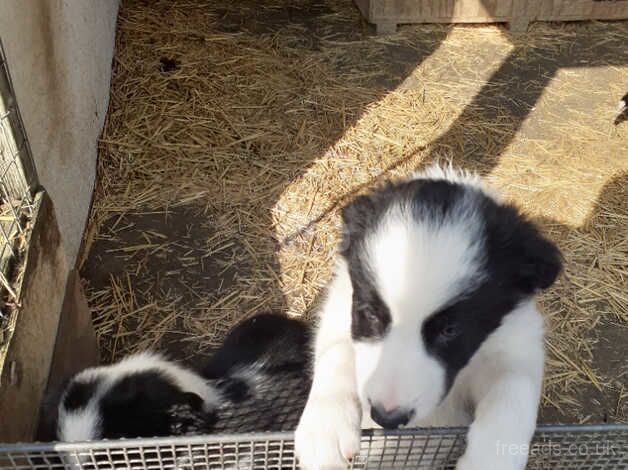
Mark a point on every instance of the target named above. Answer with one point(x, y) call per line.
point(390, 419)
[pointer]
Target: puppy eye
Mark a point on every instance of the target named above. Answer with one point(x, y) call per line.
point(448, 333)
point(367, 314)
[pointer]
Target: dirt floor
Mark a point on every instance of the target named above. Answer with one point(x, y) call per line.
point(237, 129)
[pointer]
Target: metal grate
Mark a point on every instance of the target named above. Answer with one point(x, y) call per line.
point(18, 182)
point(277, 404)
point(589, 447)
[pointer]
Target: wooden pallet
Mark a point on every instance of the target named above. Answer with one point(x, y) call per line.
point(387, 14)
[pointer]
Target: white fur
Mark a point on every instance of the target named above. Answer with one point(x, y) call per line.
point(503, 383)
point(418, 269)
point(439, 171)
point(79, 425)
point(329, 429)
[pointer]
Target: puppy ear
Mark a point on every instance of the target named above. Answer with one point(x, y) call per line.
point(192, 399)
point(355, 219)
point(530, 260)
point(542, 261)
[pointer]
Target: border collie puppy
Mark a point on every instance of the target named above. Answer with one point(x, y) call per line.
point(146, 395)
point(430, 320)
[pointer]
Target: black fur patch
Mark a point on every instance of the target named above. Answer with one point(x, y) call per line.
point(234, 390)
point(455, 333)
point(140, 405)
point(187, 420)
point(519, 257)
point(79, 394)
point(370, 317)
point(273, 341)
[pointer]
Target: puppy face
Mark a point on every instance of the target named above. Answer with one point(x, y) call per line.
point(435, 264)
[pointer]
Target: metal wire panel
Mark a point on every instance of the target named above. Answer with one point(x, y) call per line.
point(277, 404)
point(18, 181)
point(556, 447)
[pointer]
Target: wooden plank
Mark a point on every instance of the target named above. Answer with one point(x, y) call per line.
point(364, 7)
point(466, 8)
point(29, 353)
point(502, 8)
point(385, 28)
point(610, 10)
point(533, 8)
point(488, 11)
point(75, 349)
point(520, 16)
point(576, 8)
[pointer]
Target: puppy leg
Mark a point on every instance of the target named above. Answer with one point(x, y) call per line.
point(504, 423)
point(328, 433)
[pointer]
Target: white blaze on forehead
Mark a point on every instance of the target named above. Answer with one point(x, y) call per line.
point(420, 265)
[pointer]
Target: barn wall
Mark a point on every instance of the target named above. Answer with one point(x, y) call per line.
point(59, 54)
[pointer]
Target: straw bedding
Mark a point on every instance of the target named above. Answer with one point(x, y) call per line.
point(236, 130)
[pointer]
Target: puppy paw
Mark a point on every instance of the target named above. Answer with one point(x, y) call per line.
point(328, 434)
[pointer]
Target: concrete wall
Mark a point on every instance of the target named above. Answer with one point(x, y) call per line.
point(59, 54)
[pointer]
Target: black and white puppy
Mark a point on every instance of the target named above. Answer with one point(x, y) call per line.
point(144, 395)
point(147, 395)
point(430, 320)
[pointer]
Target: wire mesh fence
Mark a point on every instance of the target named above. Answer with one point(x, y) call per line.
point(554, 447)
point(18, 181)
point(276, 405)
